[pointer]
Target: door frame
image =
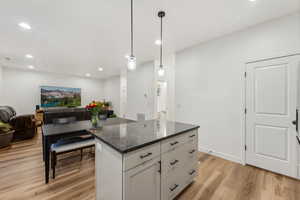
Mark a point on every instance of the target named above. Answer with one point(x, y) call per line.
point(244, 105)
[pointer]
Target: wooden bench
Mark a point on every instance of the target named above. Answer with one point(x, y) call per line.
point(69, 145)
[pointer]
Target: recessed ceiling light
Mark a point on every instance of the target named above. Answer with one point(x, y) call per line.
point(30, 67)
point(100, 69)
point(252, 0)
point(24, 25)
point(87, 74)
point(158, 42)
point(29, 56)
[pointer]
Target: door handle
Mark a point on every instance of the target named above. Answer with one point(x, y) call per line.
point(159, 162)
point(295, 122)
point(298, 139)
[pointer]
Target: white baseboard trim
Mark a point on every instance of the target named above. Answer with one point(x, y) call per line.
point(221, 155)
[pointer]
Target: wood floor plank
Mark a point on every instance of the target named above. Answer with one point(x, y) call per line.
point(22, 178)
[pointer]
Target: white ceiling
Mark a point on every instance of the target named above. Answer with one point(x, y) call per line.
point(78, 36)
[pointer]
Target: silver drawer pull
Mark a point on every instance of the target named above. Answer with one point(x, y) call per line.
point(173, 143)
point(173, 188)
point(146, 155)
point(193, 151)
point(192, 172)
point(191, 136)
point(174, 162)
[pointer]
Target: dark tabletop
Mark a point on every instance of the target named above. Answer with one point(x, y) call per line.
point(78, 126)
point(128, 137)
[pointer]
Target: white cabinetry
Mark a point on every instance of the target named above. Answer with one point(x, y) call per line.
point(155, 172)
point(143, 182)
point(179, 164)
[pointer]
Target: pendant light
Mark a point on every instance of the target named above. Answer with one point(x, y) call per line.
point(161, 70)
point(131, 63)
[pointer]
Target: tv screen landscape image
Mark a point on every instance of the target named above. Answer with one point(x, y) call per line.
point(52, 96)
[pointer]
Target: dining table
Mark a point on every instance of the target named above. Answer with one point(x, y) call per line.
point(51, 133)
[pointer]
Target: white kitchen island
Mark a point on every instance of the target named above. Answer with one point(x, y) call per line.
point(149, 160)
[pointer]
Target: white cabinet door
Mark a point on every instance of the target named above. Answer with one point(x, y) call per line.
point(143, 182)
point(271, 108)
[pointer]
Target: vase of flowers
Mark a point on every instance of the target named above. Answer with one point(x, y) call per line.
point(95, 108)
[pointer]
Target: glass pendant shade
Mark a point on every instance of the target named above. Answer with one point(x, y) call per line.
point(131, 64)
point(161, 71)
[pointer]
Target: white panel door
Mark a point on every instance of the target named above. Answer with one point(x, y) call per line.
point(271, 94)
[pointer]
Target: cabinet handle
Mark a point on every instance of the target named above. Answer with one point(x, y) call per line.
point(173, 143)
point(193, 151)
point(192, 172)
point(192, 136)
point(173, 188)
point(174, 162)
point(146, 155)
point(159, 162)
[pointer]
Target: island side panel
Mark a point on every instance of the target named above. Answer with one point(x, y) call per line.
point(108, 172)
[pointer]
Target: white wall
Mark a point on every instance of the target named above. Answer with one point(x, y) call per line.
point(111, 88)
point(140, 91)
point(21, 89)
point(209, 81)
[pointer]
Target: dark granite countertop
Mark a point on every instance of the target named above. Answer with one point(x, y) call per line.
point(79, 126)
point(129, 137)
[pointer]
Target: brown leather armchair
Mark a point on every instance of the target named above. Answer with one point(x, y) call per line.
point(23, 125)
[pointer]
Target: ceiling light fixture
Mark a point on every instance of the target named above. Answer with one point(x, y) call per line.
point(158, 42)
point(131, 60)
point(100, 69)
point(29, 56)
point(252, 0)
point(87, 74)
point(161, 70)
point(24, 25)
point(31, 67)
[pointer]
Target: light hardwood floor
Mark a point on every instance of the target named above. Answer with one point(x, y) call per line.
point(22, 177)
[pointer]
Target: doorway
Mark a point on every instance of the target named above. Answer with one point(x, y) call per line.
point(271, 103)
point(162, 99)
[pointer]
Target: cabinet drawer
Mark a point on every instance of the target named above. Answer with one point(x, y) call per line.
point(135, 158)
point(190, 151)
point(172, 143)
point(190, 174)
point(173, 161)
point(173, 187)
point(191, 136)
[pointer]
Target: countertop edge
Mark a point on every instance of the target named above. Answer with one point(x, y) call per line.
point(143, 145)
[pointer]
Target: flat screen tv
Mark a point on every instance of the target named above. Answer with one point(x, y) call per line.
point(52, 96)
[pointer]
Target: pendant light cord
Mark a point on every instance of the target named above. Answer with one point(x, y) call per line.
point(161, 41)
point(131, 27)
